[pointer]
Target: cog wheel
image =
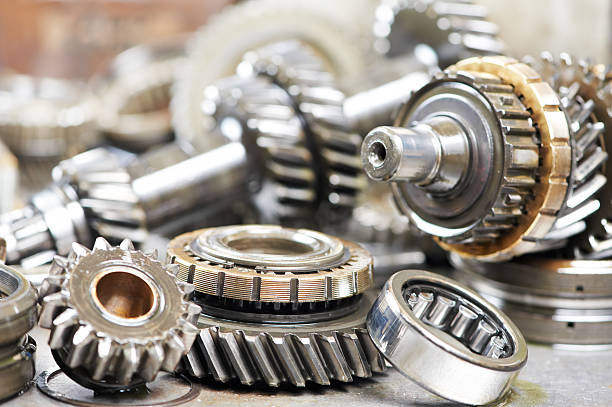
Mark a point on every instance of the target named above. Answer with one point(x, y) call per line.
point(339, 349)
point(437, 32)
point(271, 264)
point(289, 190)
point(588, 144)
point(117, 316)
point(328, 26)
point(299, 69)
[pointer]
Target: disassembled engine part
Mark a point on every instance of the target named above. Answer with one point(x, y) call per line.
point(17, 368)
point(438, 32)
point(325, 25)
point(117, 316)
point(488, 159)
point(446, 338)
point(18, 307)
point(271, 264)
point(9, 174)
point(334, 349)
point(45, 118)
point(135, 94)
point(593, 84)
point(552, 300)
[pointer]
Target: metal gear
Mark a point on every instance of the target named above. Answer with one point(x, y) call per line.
point(551, 299)
point(519, 171)
point(327, 26)
point(300, 69)
point(135, 94)
point(265, 263)
point(274, 353)
point(117, 316)
point(438, 32)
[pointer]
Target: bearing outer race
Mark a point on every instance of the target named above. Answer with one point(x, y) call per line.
point(18, 310)
point(433, 359)
point(555, 153)
point(17, 370)
point(242, 283)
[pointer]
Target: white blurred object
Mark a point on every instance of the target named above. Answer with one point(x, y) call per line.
point(8, 179)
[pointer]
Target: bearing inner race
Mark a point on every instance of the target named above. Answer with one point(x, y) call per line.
point(270, 247)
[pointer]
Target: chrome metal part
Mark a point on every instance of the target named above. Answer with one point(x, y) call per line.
point(552, 300)
point(324, 352)
point(17, 368)
point(18, 307)
point(271, 264)
point(117, 316)
point(446, 338)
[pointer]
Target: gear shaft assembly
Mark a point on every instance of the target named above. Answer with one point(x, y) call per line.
point(491, 160)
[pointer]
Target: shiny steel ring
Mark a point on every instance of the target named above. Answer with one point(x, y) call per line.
point(18, 309)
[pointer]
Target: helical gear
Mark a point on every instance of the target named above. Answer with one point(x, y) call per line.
point(454, 29)
point(298, 68)
point(252, 25)
point(117, 316)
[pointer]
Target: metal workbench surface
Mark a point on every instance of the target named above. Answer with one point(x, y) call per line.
point(552, 377)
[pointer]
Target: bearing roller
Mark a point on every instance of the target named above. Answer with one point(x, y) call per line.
point(279, 305)
point(446, 338)
point(117, 316)
point(485, 158)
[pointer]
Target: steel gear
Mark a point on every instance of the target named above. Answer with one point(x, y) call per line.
point(117, 316)
point(135, 94)
point(300, 70)
point(275, 353)
point(265, 263)
point(551, 299)
point(327, 26)
point(523, 136)
point(452, 29)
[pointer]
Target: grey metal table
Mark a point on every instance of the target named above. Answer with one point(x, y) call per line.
point(552, 377)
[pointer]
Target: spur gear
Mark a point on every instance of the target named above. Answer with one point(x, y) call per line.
point(438, 32)
point(279, 305)
point(326, 26)
point(495, 122)
point(117, 316)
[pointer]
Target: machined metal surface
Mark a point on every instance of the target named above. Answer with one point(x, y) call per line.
point(552, 300)
point(485, 204)
point(261, 263)
point(117, 316)
point(446, 337)
point(17, 368)
point(18, 306)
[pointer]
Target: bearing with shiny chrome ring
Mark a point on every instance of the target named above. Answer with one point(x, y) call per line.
point(446, 338)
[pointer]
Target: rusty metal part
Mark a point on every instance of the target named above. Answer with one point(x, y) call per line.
point(264, 263)
point(117, 316)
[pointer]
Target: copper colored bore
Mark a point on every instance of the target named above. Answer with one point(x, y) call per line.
point(124, 295)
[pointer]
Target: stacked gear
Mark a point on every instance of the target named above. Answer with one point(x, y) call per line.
point(489, 159)
point(117, 316)
point(18, 315)
point(279, 305)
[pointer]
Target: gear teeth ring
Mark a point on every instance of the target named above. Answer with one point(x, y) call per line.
point(117, 316)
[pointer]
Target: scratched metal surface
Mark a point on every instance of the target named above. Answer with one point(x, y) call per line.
point(552, 377)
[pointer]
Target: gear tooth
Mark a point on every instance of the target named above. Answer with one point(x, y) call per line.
point(291, 365)
point(263, 356)
point(186, 288)
point(193, 312)
point(59, 265)
point(101, 244)
point(153, 361)
point(78, 251)
point(126, 244)
point(129, 363)
point(51, 284)
point(193, 363)
point(207, 344)
point(153, 254)
point(104, 353)
point(187, 332)
point(235, 351)
point(52, 306)
point(174, 349)
point(79, 350)
point(354, 354)
point(311, 357)
point(62, 328)
point(376, 359)
point(334, 360)
point(173, 269)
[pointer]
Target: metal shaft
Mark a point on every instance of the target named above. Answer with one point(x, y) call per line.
point(433, 154)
